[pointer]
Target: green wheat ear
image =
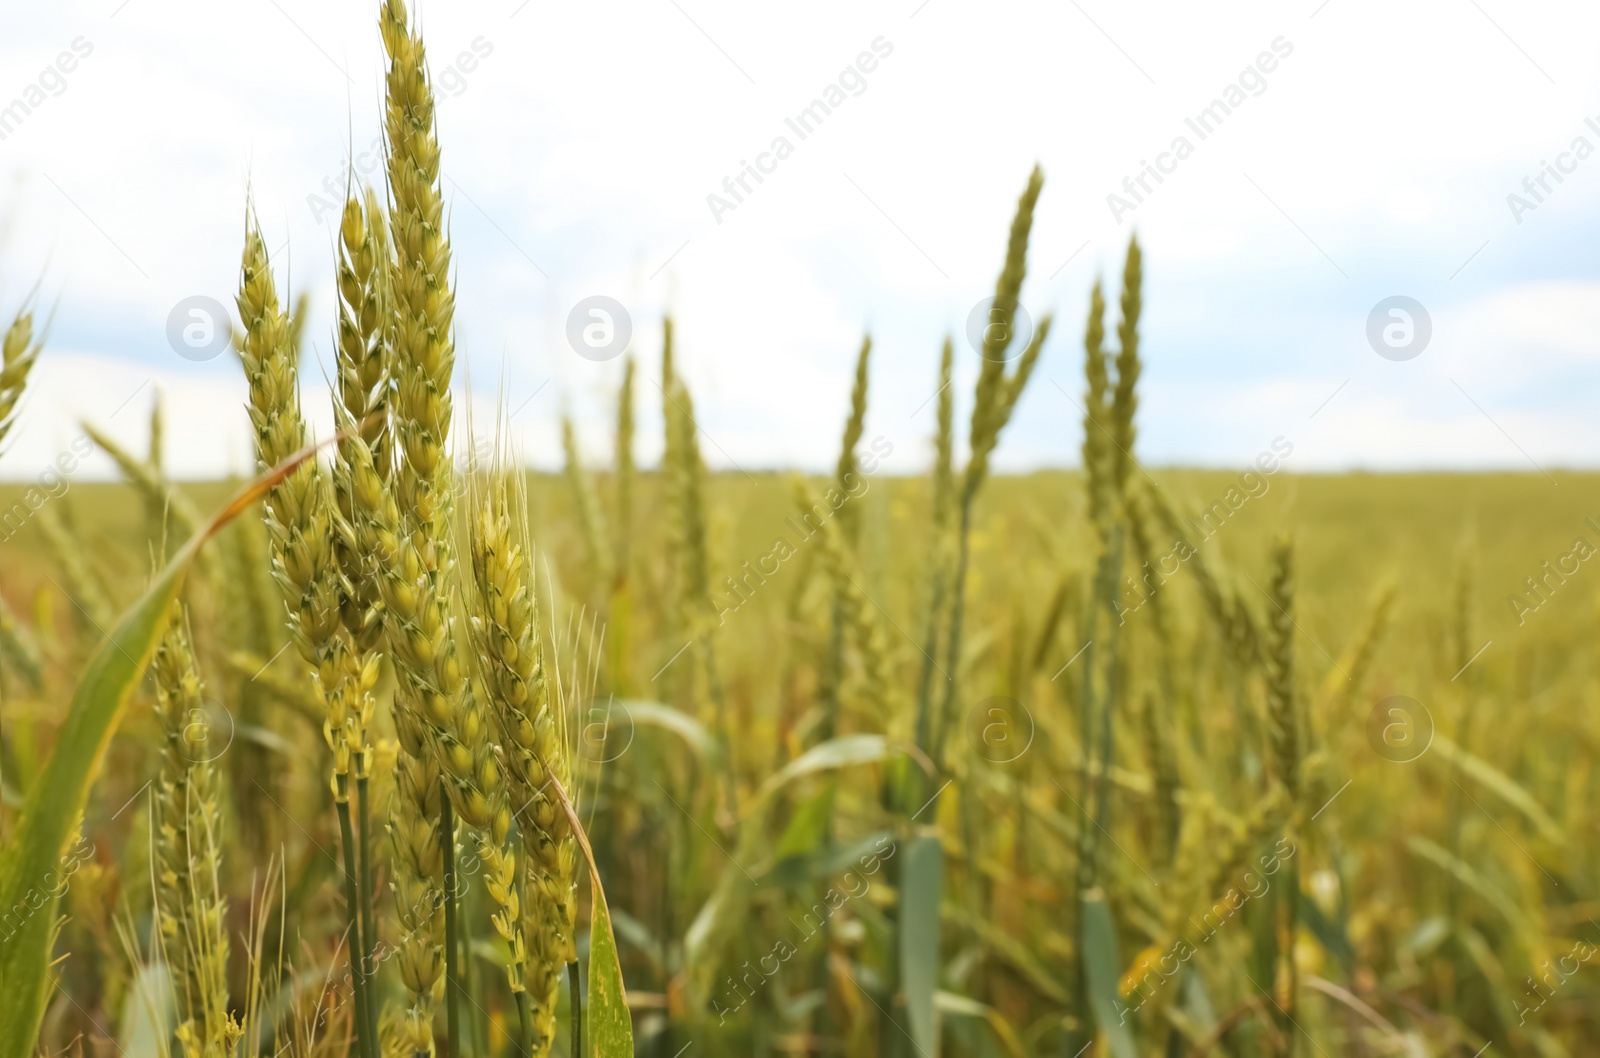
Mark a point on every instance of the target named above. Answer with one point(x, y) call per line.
point(19, 351)
point(189, 887)
point(537, 898)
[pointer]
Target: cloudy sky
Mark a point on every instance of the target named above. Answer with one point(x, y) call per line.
point(1370, 153)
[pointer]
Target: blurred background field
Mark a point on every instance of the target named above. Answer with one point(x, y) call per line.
point(1446, 883)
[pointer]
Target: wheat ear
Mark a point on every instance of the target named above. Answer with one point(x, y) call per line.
point(436, 711)
point(363, 453)
point(532, 737)
point(299, 515)
point(1284, 734)
point(1125, 397)
point(191, 907)
point(18, 352)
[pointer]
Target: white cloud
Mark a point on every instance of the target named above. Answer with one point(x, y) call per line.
point(581, 141)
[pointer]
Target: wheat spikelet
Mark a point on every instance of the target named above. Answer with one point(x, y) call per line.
point(156, 456)
point(1232, 618)
point(856, 611)
point(675, 519)
point(1206, 865)
point(688, 474)
point(18, 352)
point(1282, 717)
point(1017, 381)
point(364, 454)
point(1283, 727)
point(626, 473)
point(298, 509)
point(942, 541)
point(1125, 398)
point(155, 513)
point(1153, 728)
point(362, 414)
point(189, 890)
point(1346, 679)
point(989, 395)
point(997, 392)
point(423, 338)
point(944, 442)
point(532, 737)
point(848, 468)
point(364, 447)
point(1096, 416)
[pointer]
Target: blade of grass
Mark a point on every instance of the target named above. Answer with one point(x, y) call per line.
point(56, 801)
point(610, 1025)
point(922, 883)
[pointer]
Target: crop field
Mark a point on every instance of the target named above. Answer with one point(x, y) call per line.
point(399, 748)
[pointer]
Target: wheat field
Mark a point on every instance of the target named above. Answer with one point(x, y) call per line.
point(400, 748)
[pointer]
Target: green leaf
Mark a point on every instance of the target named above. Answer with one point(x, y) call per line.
point(713, 923)
point(1472, 879)
point(827, 861)
point(808, 826)
point(829, 756)
point(921, 885)
point(724, 908)
point(608, 1025)
point(686, 727)
point(951, 1003)
point(146, 1013)
point(30, 862)
point(1502, 786)
point(1104, 965)
point(1330, 932)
